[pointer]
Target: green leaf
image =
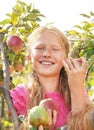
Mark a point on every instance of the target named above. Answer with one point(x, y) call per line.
point(87, 26)
point(78, 26)
point(21, 118)
point(30, 7)
point(14, 19)
point(85, 15)
point(90, 52)
point(21, 3)
point(6, 21)
point(18, 10)
point(92, 13)
point(72, 32)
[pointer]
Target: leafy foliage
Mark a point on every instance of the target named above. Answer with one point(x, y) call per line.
point(21, 22)
point(82, 44)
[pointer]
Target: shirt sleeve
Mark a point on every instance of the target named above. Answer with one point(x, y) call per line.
point(19, 97)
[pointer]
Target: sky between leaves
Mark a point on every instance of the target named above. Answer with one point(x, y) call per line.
point(63, 13)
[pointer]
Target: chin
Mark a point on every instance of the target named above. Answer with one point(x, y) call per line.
point(48, 74)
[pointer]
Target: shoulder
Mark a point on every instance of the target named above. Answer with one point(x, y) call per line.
point(20, 90)
point(19, 96)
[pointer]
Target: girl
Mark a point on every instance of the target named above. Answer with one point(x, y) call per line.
point(55, 75)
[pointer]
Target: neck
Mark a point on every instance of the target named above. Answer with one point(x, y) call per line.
point(49, 84)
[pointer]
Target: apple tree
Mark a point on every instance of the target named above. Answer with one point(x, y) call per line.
point(22, 20)
point(82, 44)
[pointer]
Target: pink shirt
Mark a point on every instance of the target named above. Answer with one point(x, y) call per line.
point(19, 97)
point(63, 109)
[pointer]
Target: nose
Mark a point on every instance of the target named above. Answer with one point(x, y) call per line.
point(47, 53)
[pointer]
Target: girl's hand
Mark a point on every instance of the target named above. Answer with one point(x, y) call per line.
point(76, 76)
point(76, 70)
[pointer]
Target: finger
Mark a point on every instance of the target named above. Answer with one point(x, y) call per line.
point(79, 61)
point(54, 116)
point(50, 115)
point(75, 63)
point(71, 63)
point(28, 111)
point(84, 63)
point(40, 127)
point(66, 66)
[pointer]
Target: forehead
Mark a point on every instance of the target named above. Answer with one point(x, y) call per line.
point(41, 33)
point(47, 36)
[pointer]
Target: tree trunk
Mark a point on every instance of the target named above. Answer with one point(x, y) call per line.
point(5, 88)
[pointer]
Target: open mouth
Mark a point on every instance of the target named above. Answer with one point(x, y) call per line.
point(46, 63)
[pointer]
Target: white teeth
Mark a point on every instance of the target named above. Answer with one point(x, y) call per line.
point(46, 63)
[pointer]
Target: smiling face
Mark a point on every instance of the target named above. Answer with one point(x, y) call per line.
point(47, 54)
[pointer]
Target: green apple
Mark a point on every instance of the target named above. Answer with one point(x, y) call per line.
point(38, 116)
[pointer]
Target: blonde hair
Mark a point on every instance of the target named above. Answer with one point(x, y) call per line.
point(35, 90)
point(82, 120)
point(32, 37)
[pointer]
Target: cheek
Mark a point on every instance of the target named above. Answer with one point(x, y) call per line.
point(61, 65)
point(35, 57)
point(60, 60)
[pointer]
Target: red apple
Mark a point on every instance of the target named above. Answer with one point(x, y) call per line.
point(79, 61)
point(48, 104)
point(38, 116)
point(15, 43)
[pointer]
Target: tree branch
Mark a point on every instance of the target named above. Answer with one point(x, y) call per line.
point(5, 88)
point(89, 70)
